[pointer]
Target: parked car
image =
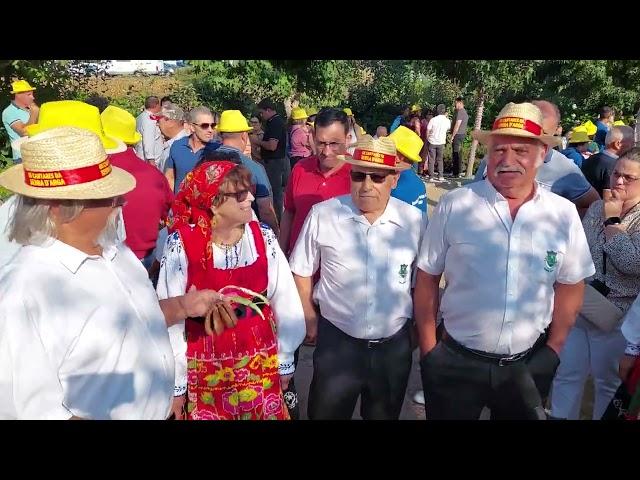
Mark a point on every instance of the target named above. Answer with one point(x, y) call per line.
point(135, 67)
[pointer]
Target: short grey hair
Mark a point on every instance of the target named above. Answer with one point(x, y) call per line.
point(32, 223)
point(545, 106)
point(620, 132)
point(193, 114)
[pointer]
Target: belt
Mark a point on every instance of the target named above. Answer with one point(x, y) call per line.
point(379, 341)
point(494, 358)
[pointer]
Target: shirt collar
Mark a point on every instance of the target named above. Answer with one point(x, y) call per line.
point(493, 196)
point(72, 258)
point(345, 169)
point(350, 211)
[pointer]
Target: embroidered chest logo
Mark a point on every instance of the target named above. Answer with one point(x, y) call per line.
point(550, 261)
point(403, 273)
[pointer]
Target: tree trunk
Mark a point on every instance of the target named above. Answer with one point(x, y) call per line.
point(476, 126)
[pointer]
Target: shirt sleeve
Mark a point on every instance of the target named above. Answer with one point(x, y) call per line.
point(289, 204)
point(172, 282)
point(571, 183)
point(305, 256)
point(170, 162)
point(434, 246)
point(577, 263)
point(263, 186)
point(29, 385)
point(269, 132)
point(631, 327)
point(285, 302)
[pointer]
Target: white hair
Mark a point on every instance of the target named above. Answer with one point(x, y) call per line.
point(32, 224)
point(619, 132)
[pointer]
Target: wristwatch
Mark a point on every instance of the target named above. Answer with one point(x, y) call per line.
point(612, 221)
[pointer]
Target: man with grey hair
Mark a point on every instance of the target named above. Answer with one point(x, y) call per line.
point(558, 173)
point(514, 257)
point(172, 125)
point(82, 333)
point(597, 168)
point(185, 152)
point(151, 145)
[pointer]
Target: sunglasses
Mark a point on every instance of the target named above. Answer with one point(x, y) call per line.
point(205, 126)
point(375, 177)
point(240, 195)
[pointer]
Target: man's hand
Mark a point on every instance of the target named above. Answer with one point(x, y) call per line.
point(178, 407)
point(284, 381)
point(312, 330)
point(626, 363)
point(612, 203)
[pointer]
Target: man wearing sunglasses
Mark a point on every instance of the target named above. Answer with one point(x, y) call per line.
point(364, 245)
point(185, 152)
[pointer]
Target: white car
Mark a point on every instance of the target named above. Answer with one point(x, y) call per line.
point(135, 67)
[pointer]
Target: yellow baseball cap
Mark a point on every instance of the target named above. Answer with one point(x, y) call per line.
point(20, 86)
point(232, 121)
point(298, 113)
point(119, 123)
point(408, 143)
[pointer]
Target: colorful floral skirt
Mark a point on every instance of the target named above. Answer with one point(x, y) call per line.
point(234, 376)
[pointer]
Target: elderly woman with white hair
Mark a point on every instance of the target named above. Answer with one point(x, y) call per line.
point(82, 333)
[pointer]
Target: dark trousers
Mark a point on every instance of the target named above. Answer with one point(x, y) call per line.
point(278, 174)
point(456, 145)
point(458, 385)
point(436, 152)
point(345, 368)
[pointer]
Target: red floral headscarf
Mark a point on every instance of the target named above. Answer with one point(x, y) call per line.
point(192, 204)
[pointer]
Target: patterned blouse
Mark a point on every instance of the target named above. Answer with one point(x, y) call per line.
point(623, 254)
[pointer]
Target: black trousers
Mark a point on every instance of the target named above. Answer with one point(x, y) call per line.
point(278, 170)
point(458, 385)
point(345, 368)
point(456, 145)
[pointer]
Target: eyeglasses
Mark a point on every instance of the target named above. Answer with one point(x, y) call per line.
point(375, 177)
point(205, 126)
point(240, 195)
point(331, 145)
point(625, 178)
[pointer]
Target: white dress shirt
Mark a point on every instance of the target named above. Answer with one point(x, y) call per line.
point(281, 292)
point(500, 272)
point(82, 335)
point(365, 269)
point(152, 144)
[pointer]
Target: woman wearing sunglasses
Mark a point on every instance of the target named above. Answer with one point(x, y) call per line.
point(238, 372)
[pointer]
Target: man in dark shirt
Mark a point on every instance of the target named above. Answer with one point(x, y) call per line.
point(597, 168)
point(460, 120)
point(273, 149)
point(607, 116)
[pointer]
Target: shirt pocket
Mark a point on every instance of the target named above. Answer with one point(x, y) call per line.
point(400, 268)
point(546, 256)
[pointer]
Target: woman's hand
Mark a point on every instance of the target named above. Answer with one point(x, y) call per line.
point(612, 203)
point(284, 381)
point(178, 407)
point(624, 368)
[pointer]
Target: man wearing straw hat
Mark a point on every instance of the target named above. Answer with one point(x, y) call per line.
point(364, 245)
point(514, 257)
point(22, 111)
point(82, 334)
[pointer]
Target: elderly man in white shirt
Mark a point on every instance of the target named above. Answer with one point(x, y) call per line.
point(151, 146)
point(365, 246)
point(82, 333)
point(514, 257)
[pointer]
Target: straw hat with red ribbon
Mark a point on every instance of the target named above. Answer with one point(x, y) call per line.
point(66, 163)
point(518, 120)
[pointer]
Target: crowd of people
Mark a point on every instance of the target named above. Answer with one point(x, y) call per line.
point(170, 266)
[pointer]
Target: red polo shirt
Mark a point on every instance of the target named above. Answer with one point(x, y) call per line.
point(308, 186)
point(147, 204)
